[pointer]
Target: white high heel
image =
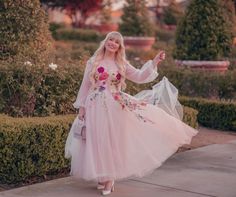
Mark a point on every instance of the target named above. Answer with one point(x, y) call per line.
point(106, 192)
point(100, 186)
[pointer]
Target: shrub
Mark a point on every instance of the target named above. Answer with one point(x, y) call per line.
point(190, 116)
point(32, 146)
point(78, 34)
point(24, 31)
point(32, 90)
point(135, 21)
point(203, 33)
point(173, 13)
point(165, 35)
point(213, 114)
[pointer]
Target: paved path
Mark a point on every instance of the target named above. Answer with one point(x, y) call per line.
point(209, 171)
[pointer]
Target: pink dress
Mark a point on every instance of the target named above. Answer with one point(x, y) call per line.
point(125, 137)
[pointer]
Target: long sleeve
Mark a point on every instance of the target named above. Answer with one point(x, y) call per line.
point(146, 74)
point(84, 87)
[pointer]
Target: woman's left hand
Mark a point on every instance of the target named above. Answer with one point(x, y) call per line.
point(159, 57)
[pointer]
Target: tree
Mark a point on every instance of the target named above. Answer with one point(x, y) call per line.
point(72, 7)
point(24, 33)
point(203, 33)
point(173, 13)
point(135, 21)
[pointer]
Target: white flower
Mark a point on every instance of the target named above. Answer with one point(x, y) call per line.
point(28, 63)
point(53, 66)
point(136, 58)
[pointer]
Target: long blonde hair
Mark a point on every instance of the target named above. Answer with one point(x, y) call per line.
point(120, 57)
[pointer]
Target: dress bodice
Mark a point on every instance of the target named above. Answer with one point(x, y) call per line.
point(107, 78)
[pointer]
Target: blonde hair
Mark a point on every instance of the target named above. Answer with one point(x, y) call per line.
point(120, 57)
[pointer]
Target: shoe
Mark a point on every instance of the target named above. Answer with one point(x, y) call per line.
point(106, 192)
point(100, 186)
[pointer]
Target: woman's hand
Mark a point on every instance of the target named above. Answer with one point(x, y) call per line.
point(81, 115)
point(159, 57)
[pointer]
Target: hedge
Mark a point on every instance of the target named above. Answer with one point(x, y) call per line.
point(76, 34)
point(213, 113)
point(32, 146)
point(35, 146)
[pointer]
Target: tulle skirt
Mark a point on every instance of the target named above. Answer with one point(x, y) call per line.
point(123, 142)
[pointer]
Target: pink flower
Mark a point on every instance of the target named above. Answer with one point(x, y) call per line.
point(118, 76)
point(103, 76)
point(100, 69)
point(116, 96)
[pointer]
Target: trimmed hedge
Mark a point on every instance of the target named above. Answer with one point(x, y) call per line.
point(32, 146)
point(213, 114)
point(35, 146)
point(77, 34)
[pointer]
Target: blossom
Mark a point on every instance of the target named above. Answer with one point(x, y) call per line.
point(28, 63)
point(100, 69)
point(118, 76)
point(53, 66)
point(101, 88)
point(103, 76)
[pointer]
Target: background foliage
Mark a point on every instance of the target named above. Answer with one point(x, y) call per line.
point(204, 33)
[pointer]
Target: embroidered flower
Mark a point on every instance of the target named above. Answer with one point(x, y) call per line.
point(116, 96)
point(118, 76)
point(103, 76)
point(101, 88)
point(100, 69)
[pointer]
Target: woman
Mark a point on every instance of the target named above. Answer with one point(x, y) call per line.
point(125, 136)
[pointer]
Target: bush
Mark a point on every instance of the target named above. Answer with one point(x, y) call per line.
point(203, 33)
point(77, 34)
point(190, 116)
point(33, 90)
point(165, 35)
point(173, 13)
point(32, 146)
point(213, 114)
point(135, 21)
point(24, 31)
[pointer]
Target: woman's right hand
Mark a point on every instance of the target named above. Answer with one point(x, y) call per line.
point(81, 115)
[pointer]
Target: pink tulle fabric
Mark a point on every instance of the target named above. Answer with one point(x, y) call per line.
point(125, 137)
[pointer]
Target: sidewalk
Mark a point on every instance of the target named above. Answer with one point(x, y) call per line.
point(209, 171)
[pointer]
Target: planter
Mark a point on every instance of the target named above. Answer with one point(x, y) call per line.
point(218, 66)
point(142, 43)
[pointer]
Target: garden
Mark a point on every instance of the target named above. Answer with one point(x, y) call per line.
point(42, 64)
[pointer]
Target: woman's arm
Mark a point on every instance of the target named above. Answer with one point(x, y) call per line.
point(147, 73)
point(84, 87)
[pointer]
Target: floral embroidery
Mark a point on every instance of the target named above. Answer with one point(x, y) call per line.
point(118, 76)
point(115, 79)
point(103, 76)
point(132, 105)
point(100, 69)
point(99, 92)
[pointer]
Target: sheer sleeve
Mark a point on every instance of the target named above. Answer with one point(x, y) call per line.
point(146, 74)
point(84, 87)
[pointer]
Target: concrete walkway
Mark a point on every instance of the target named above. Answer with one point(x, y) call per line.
point(209, 171)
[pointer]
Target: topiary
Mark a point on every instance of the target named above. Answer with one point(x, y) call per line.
point(203, 33)
point(135, 21)
point(172, 14)
point(23, 31)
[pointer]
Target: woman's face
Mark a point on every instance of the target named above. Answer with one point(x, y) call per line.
point(112, 44)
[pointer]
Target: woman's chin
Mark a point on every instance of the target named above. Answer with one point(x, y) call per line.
point(111, 50)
